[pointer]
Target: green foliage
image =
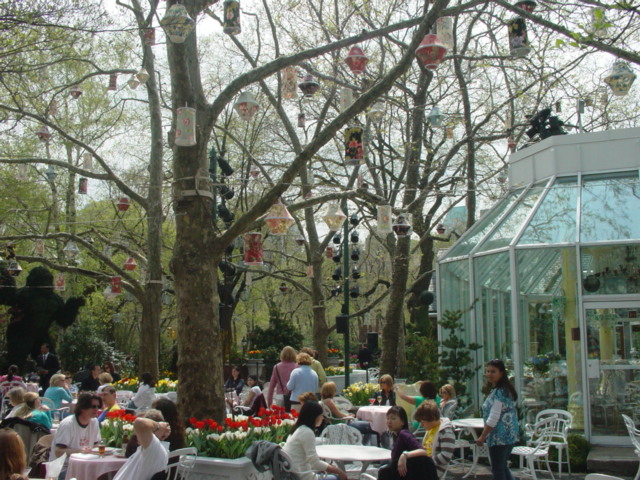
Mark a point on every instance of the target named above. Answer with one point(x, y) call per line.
point(579, 449)
point(278, 334)
point(422, 349)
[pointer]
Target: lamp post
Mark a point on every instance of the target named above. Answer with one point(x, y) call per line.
point(346, 290)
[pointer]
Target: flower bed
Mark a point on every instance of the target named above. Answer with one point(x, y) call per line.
point(114, 427)
point(163, 385)
point(331, 370)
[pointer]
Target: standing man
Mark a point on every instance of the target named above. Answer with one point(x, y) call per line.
point(91, 383)
point(365, 357)
point(47, 364)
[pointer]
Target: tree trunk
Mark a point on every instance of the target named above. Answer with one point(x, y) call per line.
point(150, 330)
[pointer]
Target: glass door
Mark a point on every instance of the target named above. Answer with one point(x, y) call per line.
point(613, 368)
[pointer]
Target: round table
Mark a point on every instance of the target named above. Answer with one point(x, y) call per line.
point(472, 426)
point(376, 416)
point(89, 466)
point(342, 454)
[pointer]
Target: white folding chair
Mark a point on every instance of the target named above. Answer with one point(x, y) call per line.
point(539, 449)
point(601, 476)
point(634, 435)
point(182, 468)
point(560, 440)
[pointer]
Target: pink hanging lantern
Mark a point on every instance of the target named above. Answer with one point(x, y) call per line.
point(186, 127)
point(246, 106)
point(289, 79)
point(356, 60)
point(116, 285)
point(253, 253)
point(335, 217)
point(150, 37)
point(130, 264)
point(254, 171)
point(113, 82)
point(431, 51)
point(384, 219)
point(83, 184)
point(44, 134)
point(278, 219)
point(60, 282)
point(123, 204)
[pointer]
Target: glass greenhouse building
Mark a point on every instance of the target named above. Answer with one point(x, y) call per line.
point(548, 280)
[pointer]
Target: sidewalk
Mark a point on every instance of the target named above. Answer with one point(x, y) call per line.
point(484, 472)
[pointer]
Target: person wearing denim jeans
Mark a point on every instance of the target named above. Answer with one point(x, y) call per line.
point(501, 429)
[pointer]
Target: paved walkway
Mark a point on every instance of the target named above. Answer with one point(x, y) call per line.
point(484, 472)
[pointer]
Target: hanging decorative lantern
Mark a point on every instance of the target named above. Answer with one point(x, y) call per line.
point(337, 239)
point(527, 5)
point(278, 219)
point(130, 264)
point(283, 287)
point(308, 86)
point(518, 40)
point(53, 108)
point(113, 82)
point(83, 185)
point(356, 60)
point(435, 118)
point(376, 112)
point(133, 82)
point(51, 173)
point(71, 250)
point(440, 229)
point(177, 23)
point(346, 98)
point(231, 22)
point(354, 221)
point(116, 285)
point(123, 204)
point(14, 268)
point(44, 134)
point(39, 247)
point(335, 217)
point(289, 79)
point(401, 226)
point(254, 171)
point(75, 92)
point(329, 252)
point(87, 161)
point(246, 106)
point(353, 148)
point(449, 131)
point(354, 292)
point(431, 51)
point(142, 75)
point(511, 144)
point(309, 271)
point(186, 127)
point(302, 120)
point(60, 283)
point(355, 254)
point(444, 29)
point(23, 172)
point(300, 240)
point(384, 219)
point(150, 36)
point(253, 253)
point(337, 274)
point(620, 78)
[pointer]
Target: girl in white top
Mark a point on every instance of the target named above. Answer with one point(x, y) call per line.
point(301, 446)
point(146, 393)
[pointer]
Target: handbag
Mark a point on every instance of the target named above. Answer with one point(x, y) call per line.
point(286, 396)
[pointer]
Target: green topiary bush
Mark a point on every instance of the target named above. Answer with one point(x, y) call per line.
point(579, 449)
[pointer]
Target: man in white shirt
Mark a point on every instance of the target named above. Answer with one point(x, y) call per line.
point(151, 456)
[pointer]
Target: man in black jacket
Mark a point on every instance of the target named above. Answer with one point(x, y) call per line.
point(47, 364)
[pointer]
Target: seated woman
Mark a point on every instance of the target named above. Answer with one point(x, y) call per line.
point(438, 443)
point(146, 393)
point(448, 402)
point(301, 446)
point(110, 368)
point(13, 459)
point(386, 394)
point(16, 399)
point(58, 390)
point(246, 405)
point(328, 392)
point(30, 410)
point(427, 392)
point(105, 379)
point(234, 383)
point(404, 441)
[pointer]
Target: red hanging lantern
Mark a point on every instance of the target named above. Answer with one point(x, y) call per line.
point(356, 60)
point(123, 204)
point(283, 287)
point(254, 171)
point(130, 264)
point(253, 253)
point(329, 252)
point(431, 51)
point(83, 185)
point(150, 37)
point(440, 229)
point(116, 285)
point(511, 143)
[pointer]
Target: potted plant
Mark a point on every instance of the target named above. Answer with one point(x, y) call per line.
point(359, 393)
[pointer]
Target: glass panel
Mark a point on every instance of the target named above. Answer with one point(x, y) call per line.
point(454, 279)
point(613, 368)
point(555, 219)
point(512, 224)
point(549, 332)
point(480, 229)
point(610, 206)
point(610, 270)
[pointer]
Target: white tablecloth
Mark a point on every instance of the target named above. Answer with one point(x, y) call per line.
point(376, 416)
point(88, 466)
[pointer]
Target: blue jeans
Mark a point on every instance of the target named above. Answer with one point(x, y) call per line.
point(499, 456)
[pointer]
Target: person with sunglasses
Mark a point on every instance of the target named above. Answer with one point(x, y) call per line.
point(78, 433)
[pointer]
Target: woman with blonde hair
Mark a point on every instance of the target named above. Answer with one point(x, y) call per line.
point(302, 379)
point(370, 437)
point(105, 379)
point(30, 410)
point(280, 377)
point(13, 459)
point(386, 395)
point(58, 390)
point(448, 402)
point(16, 398)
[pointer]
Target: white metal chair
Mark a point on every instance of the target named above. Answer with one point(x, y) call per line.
point(123, 397)
point(539, 449)
point(601, 476)
point(342, 403)
point(186, 460)
point(559, 440)
point(634, 435)
point(343, 434)
point(47, 402)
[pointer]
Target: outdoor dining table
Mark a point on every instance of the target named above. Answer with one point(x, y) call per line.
point(89, 466)
point(342, 454)
point(472, 426)
point(376, 415)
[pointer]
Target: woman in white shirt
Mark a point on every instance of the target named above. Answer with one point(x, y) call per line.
point(146, 393)
point(301, 446)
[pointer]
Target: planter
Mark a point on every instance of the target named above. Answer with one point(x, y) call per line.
point(255, 366)
point(334, 361)
point(208, 468)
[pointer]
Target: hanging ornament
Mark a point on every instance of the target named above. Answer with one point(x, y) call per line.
point(346, 98)
point(337, 274)
point(177, 23)
point(620, 78)
point(60, 282)
point(308, 86)
point(23, 172)
point(283, 287)
point(116, 285)
point(384, 219)
point(431, 51)
point(39, 247)
point(337, 239)
point(354, 238)
point(289, 79)
point(14, 268)
point(376, 112)
point(444, 29)
point(254, 171)
point(253, 248)
point(309, 271)
point(186, 127)
point(142, 76)
point(355, 254)
point(449, 131)
point(53, 108)
point(231, 23)
point(123, 204)
point(511, 145)
point(113, 82)
point(133, 82)
point(401, 226)
point(87, 161)
point(354, 292)
point(302, 120)
point(335, 217)
point(329, 252)
point(440, 229)
point(44, 134)
point(355, 272)
point(150, 36)
point(278, 219)
point(353, 148)
point(71, 250)
point(51, 173)
point(518, 40)
point(75, 92)
point(130, 264)
point(300, 240)
point(435, 118)
point(356, 60)
point(527, 5)
point(246, 106)
point(83, 185)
